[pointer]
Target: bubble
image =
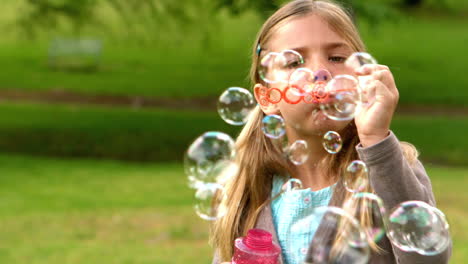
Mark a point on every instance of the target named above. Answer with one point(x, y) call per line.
point(375, 226)
point(359, 59)
point(301, 82)
point(417, 226)
point(273, 126)
point(339, 240)
point(206, 155)
point(292, 184)
point(208, 199)
point(355, 61)
point(356, 177)
point(298, 152)
point(332, 142)
point(342, 98)
point(235, 105)
point(276, 67)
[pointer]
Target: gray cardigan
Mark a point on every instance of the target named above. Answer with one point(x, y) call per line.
point(394, 180)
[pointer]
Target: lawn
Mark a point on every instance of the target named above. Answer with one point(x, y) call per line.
point(85, 211)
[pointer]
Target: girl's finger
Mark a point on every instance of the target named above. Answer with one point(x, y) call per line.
point(369, 68)
point(386, 77)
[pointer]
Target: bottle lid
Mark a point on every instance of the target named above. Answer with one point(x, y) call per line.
point(259, 239)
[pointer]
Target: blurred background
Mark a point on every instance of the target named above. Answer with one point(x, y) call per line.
point(99, 100)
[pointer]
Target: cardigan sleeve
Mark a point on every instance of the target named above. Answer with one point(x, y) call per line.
point(395, 180)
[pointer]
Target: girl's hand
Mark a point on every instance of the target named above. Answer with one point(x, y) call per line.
point(373, 120)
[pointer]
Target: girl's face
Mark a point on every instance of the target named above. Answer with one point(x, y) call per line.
point(322, 49)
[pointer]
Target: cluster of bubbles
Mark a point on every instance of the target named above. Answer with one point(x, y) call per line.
point(339, 97)
point(206, 163)
point(209, 163)
point(345, 234)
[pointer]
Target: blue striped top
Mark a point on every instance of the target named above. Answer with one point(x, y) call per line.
point(288, 210)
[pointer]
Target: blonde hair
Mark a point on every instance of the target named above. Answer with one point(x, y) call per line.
point(259, 158)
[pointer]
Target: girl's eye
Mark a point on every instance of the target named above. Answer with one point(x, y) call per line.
point(337, 59)
point(293, 64)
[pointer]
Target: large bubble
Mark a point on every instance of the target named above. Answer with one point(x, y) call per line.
point(340, 238)
point(417, 226)
point(342, 98)
point(359, 59)
point(208, 155)
point(276, 67)
point(208, 201)
point(372, 222)
point(235, 104)
point(355, 61)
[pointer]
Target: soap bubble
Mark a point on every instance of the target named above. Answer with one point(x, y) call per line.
point(276, 67)
point(375, 228)
point(339, 240)
point(273, 126)
point(332, 142)
point(206, 155)
point(235, 105)
point(359, 59)
point(417, 226)
point(356, 177)
point(292, 184)
point(208, 199)
point(302, 80)
point(343, 97)
point(355, 61)
point(221, 172)
point(298, 152)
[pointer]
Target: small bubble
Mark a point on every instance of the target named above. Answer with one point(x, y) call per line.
point(292, 184)
point(332, 142)
point(356, 177)
point(208, 199)
point(273, 126)
point(206, 155)
point(298, 152)
point(235, 104)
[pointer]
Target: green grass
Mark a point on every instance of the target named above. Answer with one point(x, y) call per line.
point(60, 211)
point(85, 211)
point(163, 135)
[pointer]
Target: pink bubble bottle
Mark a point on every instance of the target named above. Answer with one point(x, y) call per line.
point(256, 248)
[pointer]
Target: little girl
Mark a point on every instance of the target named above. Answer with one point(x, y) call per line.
point(324, 34)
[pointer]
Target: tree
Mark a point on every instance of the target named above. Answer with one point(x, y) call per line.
point(373, 11)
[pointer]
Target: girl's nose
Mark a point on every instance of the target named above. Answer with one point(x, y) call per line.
point(322, 75)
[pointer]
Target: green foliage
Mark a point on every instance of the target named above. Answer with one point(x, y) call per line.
point(371, 11)
point(136, 20)
point(42, 14)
